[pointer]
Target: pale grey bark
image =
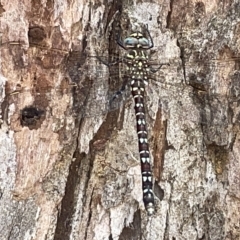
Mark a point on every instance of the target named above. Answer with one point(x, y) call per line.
point(75, 174)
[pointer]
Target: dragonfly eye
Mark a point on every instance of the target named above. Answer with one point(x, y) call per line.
point(131, 41)
point(143, 41)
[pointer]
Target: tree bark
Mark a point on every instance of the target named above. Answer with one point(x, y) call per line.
point(69, 165)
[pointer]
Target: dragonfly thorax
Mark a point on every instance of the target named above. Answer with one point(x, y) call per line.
point(137, 55)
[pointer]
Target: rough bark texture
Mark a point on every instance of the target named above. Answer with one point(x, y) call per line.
point(68, 173)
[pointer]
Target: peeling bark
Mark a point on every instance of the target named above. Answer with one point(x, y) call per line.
point(70, 168)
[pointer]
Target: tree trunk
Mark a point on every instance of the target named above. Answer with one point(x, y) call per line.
point(70, 166)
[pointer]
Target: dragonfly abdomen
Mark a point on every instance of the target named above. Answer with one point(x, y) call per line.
point(137, 87)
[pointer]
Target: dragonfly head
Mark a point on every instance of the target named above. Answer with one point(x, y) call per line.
point(136, 40)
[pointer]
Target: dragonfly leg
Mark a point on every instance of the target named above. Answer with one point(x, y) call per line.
point(119, 41)
point(109, 64)
point(154, 70)
point(150, 37)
